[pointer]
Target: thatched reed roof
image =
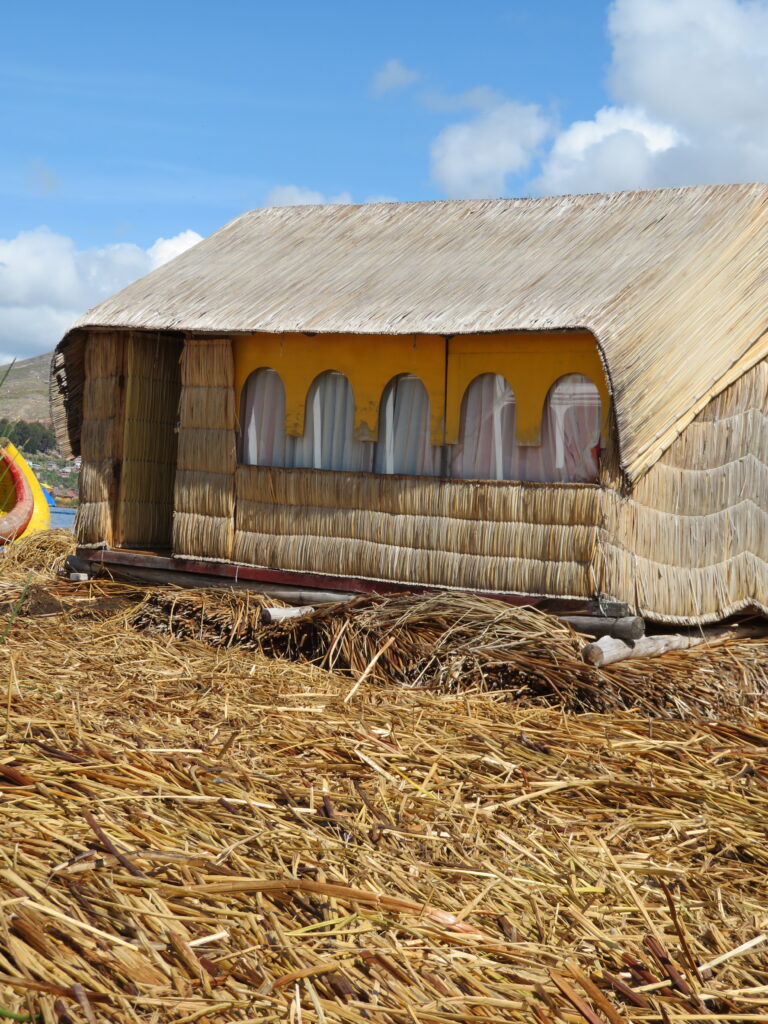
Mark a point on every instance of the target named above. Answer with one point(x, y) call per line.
point(672, 283)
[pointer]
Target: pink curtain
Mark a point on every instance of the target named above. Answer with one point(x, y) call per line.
point(404, 444)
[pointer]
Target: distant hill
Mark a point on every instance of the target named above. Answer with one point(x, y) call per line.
point(24, 396)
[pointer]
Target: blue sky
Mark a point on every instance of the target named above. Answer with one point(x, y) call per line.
point(133, 121)
point(129, 131)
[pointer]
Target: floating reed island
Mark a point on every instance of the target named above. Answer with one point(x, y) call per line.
point(195, 832)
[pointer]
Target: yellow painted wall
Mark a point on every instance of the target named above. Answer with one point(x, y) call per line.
point(530, 361)
point(369, 362)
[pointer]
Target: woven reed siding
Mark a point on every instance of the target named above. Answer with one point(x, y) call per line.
point(645, 272)
point(691, 545)
point(204, 496)
point(149, 456)
point(533, 539)
point(101, 436)
point(560, 504)
point(206, 450)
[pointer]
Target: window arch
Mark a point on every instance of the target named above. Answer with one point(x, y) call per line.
point(328, 441)
point(262, 438)
point(487, 448)
point(404, 444)
point(570, 433)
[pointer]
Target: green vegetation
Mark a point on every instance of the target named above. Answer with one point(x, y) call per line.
point(31, 437)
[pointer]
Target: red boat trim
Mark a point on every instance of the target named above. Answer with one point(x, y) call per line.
point(17, 520)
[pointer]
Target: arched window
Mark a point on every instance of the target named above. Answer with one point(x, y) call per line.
point(487, 448)
point(570, 434)
point(263, 420)
point(329, 422)
point(404, 444)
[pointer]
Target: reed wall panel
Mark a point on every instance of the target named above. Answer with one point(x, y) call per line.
point(691, 543)
point(542, 539)
point(339, 556)
point(203, 536)
point(201, 406)
point(93, 522)
point(101, 437)
point(485, 500)
point(96, 481)
point(462, 536)
point(204, 492)
point(210, 450)
point(149, 451)
point(208, 363)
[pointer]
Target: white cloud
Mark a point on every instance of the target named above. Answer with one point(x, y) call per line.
point(296, 195)
point(165, 249)
point(46, 282)
point(616, 150)
point(473, 158)
point(394, 75)
point(692, 78)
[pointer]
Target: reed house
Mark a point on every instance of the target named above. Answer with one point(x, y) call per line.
point(558, 399)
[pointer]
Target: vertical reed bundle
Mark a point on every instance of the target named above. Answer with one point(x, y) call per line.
point(149, 457)
point(101, 437)
point(204, 501)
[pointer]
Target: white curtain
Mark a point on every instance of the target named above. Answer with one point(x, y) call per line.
point(570, 434)
point(404, 444)
point(263, 420)
point(329, 423)
point(487, 448)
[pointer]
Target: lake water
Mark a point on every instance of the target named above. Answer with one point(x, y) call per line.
point(63, 518)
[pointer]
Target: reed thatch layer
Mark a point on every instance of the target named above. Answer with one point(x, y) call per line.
point(209, 491)
point(684, 595)
point(703, 492)
point(480, 500)
point(205, 835)
point(202, 406)
point(342, 556)
point(66, 392)
point(96, 481)
point(102, 436)
point(691, 544)
point(655, 276)
point(207, 450)
point(204, 498)
point(693, 541)
point(207, 536)
point(539, 541)
point(93, 522)
point(149, 456)
point(480, 535)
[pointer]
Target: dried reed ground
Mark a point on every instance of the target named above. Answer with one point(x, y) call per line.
point(202, 834)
